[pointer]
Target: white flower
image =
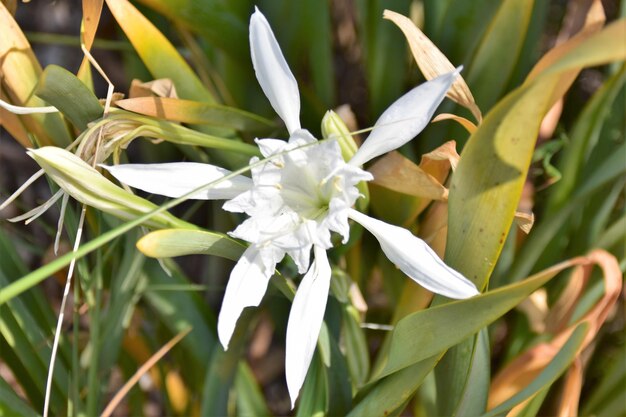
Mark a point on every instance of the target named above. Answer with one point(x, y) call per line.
point(298, 197)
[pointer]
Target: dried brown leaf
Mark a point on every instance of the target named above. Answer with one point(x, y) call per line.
point(432, 62)
point(440, 161)
point(524, 221)
point(400, 174)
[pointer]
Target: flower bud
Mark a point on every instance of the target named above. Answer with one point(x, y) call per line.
point(85, 184)
point(333, 126)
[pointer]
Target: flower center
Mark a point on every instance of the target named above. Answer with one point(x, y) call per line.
point(305, 190)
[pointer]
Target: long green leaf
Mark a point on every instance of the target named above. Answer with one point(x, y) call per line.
point(498, 53)
point(393, 391)
point(432, 331)
point(585, 133)
point(465, 392)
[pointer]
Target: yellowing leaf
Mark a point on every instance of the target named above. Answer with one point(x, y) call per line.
point(13, 125)
point(20, 72)
point(193, 112)
point(92, 10)
point(488, 182)
point(156, 51)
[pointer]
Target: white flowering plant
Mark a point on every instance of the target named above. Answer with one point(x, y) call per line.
point(332, 274)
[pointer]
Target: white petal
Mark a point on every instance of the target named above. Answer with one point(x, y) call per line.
point(270, 146)
point(416, 259)
point(273, 73)
point(305, 322)
point(246, 286)
point(405, 118)
point(178, 178)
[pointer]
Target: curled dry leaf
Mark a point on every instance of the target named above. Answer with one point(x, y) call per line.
point(440, 161)
point(468, 125)
point(526, 367)
point(524, 221)
point(163, 87)
point(432, 62)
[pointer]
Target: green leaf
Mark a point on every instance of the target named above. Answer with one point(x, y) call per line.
point(393, 391)
point(356, 348)
point(385, 53)
point(127, 284)
point(178, 242)
point(63, 90)
point(584, 136)
point(551, 372)
point(180, 310)
point(543, 233)
point(250, 401)
point(607, 397)
point(432, 331)
point(339, 390)
point(465, 392)
point(498, 53)
point(213, 19)
point(12, 404)
point(313, 395)
point(316, 37)
point(445, 19)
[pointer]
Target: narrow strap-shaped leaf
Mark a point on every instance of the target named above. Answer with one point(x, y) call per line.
point(429, 332)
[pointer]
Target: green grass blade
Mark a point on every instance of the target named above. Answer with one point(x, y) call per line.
point(12, 404)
